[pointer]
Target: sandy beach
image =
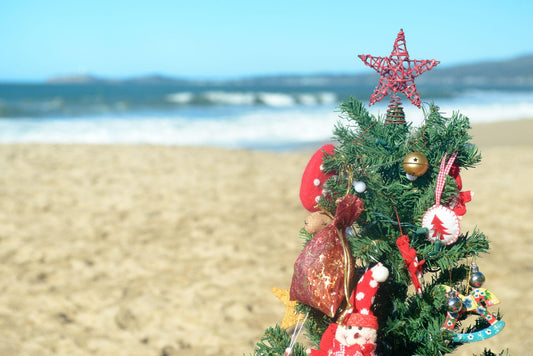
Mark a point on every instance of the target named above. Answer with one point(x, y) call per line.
point(153, 250)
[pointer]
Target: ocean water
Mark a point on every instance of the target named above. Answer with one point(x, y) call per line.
point(265, 118)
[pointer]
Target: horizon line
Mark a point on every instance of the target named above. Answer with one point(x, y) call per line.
point(88, 75)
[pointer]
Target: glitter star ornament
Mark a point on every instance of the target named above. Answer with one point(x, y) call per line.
point(291, 316)
point(398, 72)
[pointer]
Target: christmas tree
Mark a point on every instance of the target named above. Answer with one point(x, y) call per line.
point(386, 269)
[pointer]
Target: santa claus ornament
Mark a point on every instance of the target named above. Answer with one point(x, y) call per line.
point(442, 222)
point(355, 333)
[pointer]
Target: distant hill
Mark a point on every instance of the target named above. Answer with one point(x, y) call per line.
point(516, 73)
point(91, 79)
point(513, 73)
point(76, 79)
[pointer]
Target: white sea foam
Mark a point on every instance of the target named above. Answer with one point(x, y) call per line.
point(230, 98)
point(327, 98)
point(250, 98)
point(260, 128)
point(275, 99)
point(180, 98)
point(308, 99)
point(267, 127)
point(478, 106)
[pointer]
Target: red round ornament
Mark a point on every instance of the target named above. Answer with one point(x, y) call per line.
point(442, 224)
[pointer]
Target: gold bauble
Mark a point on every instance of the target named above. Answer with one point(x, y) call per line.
point(415, 164)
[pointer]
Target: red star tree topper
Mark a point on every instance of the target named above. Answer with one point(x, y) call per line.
point(397, 72)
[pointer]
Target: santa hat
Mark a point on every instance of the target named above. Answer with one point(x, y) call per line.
point(362, 298)
point(314, 178)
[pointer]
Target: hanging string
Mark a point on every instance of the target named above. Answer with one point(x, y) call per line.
point(469, 275)
point(347, 267)
point(372, 257)
point(398, 218)
point(350, 179)
point(441, 178)
point(384, 218)
point(385, 164)
point(362, 133)
point(295, 334)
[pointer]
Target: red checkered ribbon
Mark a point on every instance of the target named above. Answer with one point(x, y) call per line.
point(441, 179)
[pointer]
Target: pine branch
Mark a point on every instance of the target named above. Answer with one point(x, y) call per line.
point(274, 343)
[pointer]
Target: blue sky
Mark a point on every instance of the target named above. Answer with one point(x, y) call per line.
point(224, 39)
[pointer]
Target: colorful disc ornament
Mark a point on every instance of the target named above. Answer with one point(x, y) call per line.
point(442, 222)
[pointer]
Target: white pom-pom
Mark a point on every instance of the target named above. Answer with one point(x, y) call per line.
point(380, 273)
point(410, 177)
point(359, 186)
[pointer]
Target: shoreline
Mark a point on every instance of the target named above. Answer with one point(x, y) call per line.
point(497, 133)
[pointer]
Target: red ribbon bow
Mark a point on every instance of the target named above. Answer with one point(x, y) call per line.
point(411, 261)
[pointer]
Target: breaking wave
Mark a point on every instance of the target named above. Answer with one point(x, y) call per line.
point(260, 98)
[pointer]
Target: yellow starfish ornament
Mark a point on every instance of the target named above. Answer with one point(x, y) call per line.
point(291, 316)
